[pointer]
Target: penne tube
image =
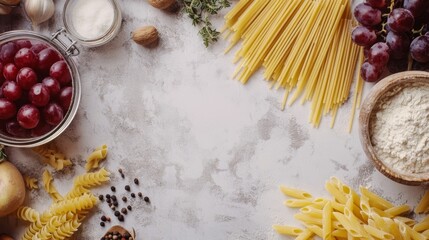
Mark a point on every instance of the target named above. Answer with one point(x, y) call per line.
point(335, 192)
point(295, 193)
point(297, 203)
point(327, 221)
point(314, 229)
point(403, 229)
point(311, 211)
point(351, 229)
point(426, 233)
point(421, 226)
point(394, 228)
point(398, 210)
point(379, 212)
point(408, 221)
point(377, 233)
point(288, 230)
point(339, 233)
point(307, 234)
point(423, 205)
point(375, 200)
point(308, 219)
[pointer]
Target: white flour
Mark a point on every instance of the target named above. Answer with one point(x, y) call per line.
point(400, 130)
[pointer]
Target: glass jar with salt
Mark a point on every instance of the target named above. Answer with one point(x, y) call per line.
point(92, 22)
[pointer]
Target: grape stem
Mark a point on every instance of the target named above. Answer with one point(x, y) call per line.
point(420, 31)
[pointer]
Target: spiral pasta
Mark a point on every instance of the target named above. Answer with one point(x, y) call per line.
point(52, 156)
point(76, 191)
point(28, 214)
point(96, 157)
point(50, 188)
point(88, 180)
point(30, 183)
point(32, 230)
point(87, 201)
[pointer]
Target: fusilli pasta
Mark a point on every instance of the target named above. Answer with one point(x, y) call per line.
point(84, 202)
point(88, 180)
point(96, 157)
point(50, 188)
point(28, 214)
point(31, 183)
point(52, 156)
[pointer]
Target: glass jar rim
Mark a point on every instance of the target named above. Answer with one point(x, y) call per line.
point(95, 42)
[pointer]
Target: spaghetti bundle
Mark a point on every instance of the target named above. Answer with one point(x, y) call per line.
point(304, 46)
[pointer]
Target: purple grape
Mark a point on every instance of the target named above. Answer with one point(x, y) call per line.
point(419, 49)
point(379, 54)
point(400, 20)
point(399, 44)
point(416, 7)
point(370, 72)
point(376, 3)
point(397, 65)
point(364, 36)
point(367, 15)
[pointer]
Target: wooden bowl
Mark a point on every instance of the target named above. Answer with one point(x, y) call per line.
point(409, 78)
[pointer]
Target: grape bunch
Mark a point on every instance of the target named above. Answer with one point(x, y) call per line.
point(390, 31)
point(35, 88)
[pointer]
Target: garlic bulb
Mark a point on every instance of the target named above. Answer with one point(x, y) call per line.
point(39, 10)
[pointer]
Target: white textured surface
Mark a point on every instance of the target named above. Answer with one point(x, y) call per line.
point(209, 152)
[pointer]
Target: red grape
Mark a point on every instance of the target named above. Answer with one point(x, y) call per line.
point(367, 15)
point(28, 116)
point(376, 3)
point(14, 129)
point(38, 47)
point(52, 85)
point(66, 97)
point(53, 114)
point(47, 57)
point(41, 129)
point(399, 44)
point(26, 78)
point(364, 36)
point(379, 54)
point(7, 109)
point(397, 65)
point(61, 72)
point(370, 73)
point(419, 49)
point(417, 7)
point(39, 95)
point(23, 43)
point(26, 58)
point(11, 90)
point(400, 20)
point(7, 52)
point(10, 71)
point(1, 72)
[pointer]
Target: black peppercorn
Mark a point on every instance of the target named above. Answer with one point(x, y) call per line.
point(109, 200)
point(122, 175)
point(133, 195)
point(114, 198)
point(127, 187)
point(120, 170)
point(108, 196)
point(102, 224)
point(103, 218)
point(140, 194)
point(113, 189)
point(117, 213)
point(136, 181)
point(124, 210)
point(124, 199)
point(146, 199)
point(129, 207)
point(115, 204)
point(101, 197)
point(121, 218)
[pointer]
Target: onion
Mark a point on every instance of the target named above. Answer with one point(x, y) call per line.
point(12, 188)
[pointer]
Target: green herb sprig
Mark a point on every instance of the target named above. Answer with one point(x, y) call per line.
point(200, 11)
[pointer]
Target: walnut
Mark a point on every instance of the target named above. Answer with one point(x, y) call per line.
point(169, 5)
point(146, 36)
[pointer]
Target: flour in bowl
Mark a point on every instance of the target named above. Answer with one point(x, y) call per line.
point(399, 129)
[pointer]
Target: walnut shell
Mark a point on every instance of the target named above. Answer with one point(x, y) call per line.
point(146, 36)
point(162, 4)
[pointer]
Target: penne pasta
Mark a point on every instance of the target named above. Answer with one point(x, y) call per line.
point(398, 210)
point(377, 233)
point(307, 234)
point(375, 200)
point(327, 221)
point(423, 205)
point(335, 192)
point(421, 226)
point(311, 211)
point(295, 193)
point(288, 230)
point(308, 219)
point(297, 203)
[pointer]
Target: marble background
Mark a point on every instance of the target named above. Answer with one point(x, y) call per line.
point(209, 152)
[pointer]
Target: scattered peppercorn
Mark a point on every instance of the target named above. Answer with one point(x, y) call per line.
point(127, 187)
point(114, 198)
point(108, 219)
point(129, 207)
point(124, 210)
point(117, 213)
point(136, 181)
point(146, 199)
point(103, 218)
point(124, 199)
point(133, 195)
point(120, 170)
point(102, 224)
point(108, 196)
point(113, 189)
point(115, 204)
point(121, 218)
point(122, 175)
point(113, 208)
point(140, 194)
point(101, 197)
point(109, 200)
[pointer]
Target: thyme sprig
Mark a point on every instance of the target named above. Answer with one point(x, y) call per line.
point(200, 11)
